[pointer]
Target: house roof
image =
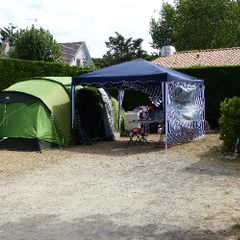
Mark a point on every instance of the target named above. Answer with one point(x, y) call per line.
point(208, 57)
point(69, 50)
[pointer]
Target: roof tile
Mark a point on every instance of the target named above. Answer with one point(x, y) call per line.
point(69, 50)
point(208, 57)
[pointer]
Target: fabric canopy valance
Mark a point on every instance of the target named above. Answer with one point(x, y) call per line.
point(139, 72)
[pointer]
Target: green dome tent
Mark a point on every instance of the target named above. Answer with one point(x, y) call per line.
point(36, 110)
point(35, 114)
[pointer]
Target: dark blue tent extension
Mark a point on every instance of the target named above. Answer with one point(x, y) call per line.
point(181, 94)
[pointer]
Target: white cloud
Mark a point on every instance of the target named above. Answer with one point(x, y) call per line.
point(77, 20)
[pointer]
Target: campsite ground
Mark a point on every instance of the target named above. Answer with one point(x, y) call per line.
point(115, 191)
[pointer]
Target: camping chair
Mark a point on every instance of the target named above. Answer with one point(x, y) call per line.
point(137, 135)
point(134, 129)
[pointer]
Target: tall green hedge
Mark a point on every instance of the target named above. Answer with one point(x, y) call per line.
point(220, 83)
point(15, 70)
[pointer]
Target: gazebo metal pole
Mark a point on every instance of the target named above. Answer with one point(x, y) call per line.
point(166, 112)
point(73, 88)
point(204, 109)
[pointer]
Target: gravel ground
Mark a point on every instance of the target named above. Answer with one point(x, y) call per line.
point(115, 191)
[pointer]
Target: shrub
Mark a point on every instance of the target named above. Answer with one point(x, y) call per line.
point(230, 123)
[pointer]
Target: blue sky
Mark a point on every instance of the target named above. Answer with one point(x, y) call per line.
point(91, 21)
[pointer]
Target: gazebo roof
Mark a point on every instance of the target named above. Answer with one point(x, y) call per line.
point(137, 71)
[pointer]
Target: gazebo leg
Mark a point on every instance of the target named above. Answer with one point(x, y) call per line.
point(166, 112)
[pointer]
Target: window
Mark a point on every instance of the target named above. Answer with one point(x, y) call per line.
point(78, 62)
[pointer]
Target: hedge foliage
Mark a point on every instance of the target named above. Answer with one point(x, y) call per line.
point(230, 123)
point(220, 83)
point(15, 70)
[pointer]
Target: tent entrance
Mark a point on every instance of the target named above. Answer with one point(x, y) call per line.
point(89, 111)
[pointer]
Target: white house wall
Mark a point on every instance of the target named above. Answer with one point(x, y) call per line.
point(84, 56)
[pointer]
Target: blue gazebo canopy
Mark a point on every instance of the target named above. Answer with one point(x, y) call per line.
point(182, 95)
point(137, 71)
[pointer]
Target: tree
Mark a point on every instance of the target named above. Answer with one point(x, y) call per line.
point(121, 49)
point(7, 34)
point(162, 30)
point(198, 24)
point(36, 44)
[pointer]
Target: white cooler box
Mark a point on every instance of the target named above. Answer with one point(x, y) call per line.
point(129, 118)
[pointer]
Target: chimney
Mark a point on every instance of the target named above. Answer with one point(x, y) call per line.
point(167, 51)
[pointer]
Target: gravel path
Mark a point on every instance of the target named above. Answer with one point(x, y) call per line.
point(115, 191)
